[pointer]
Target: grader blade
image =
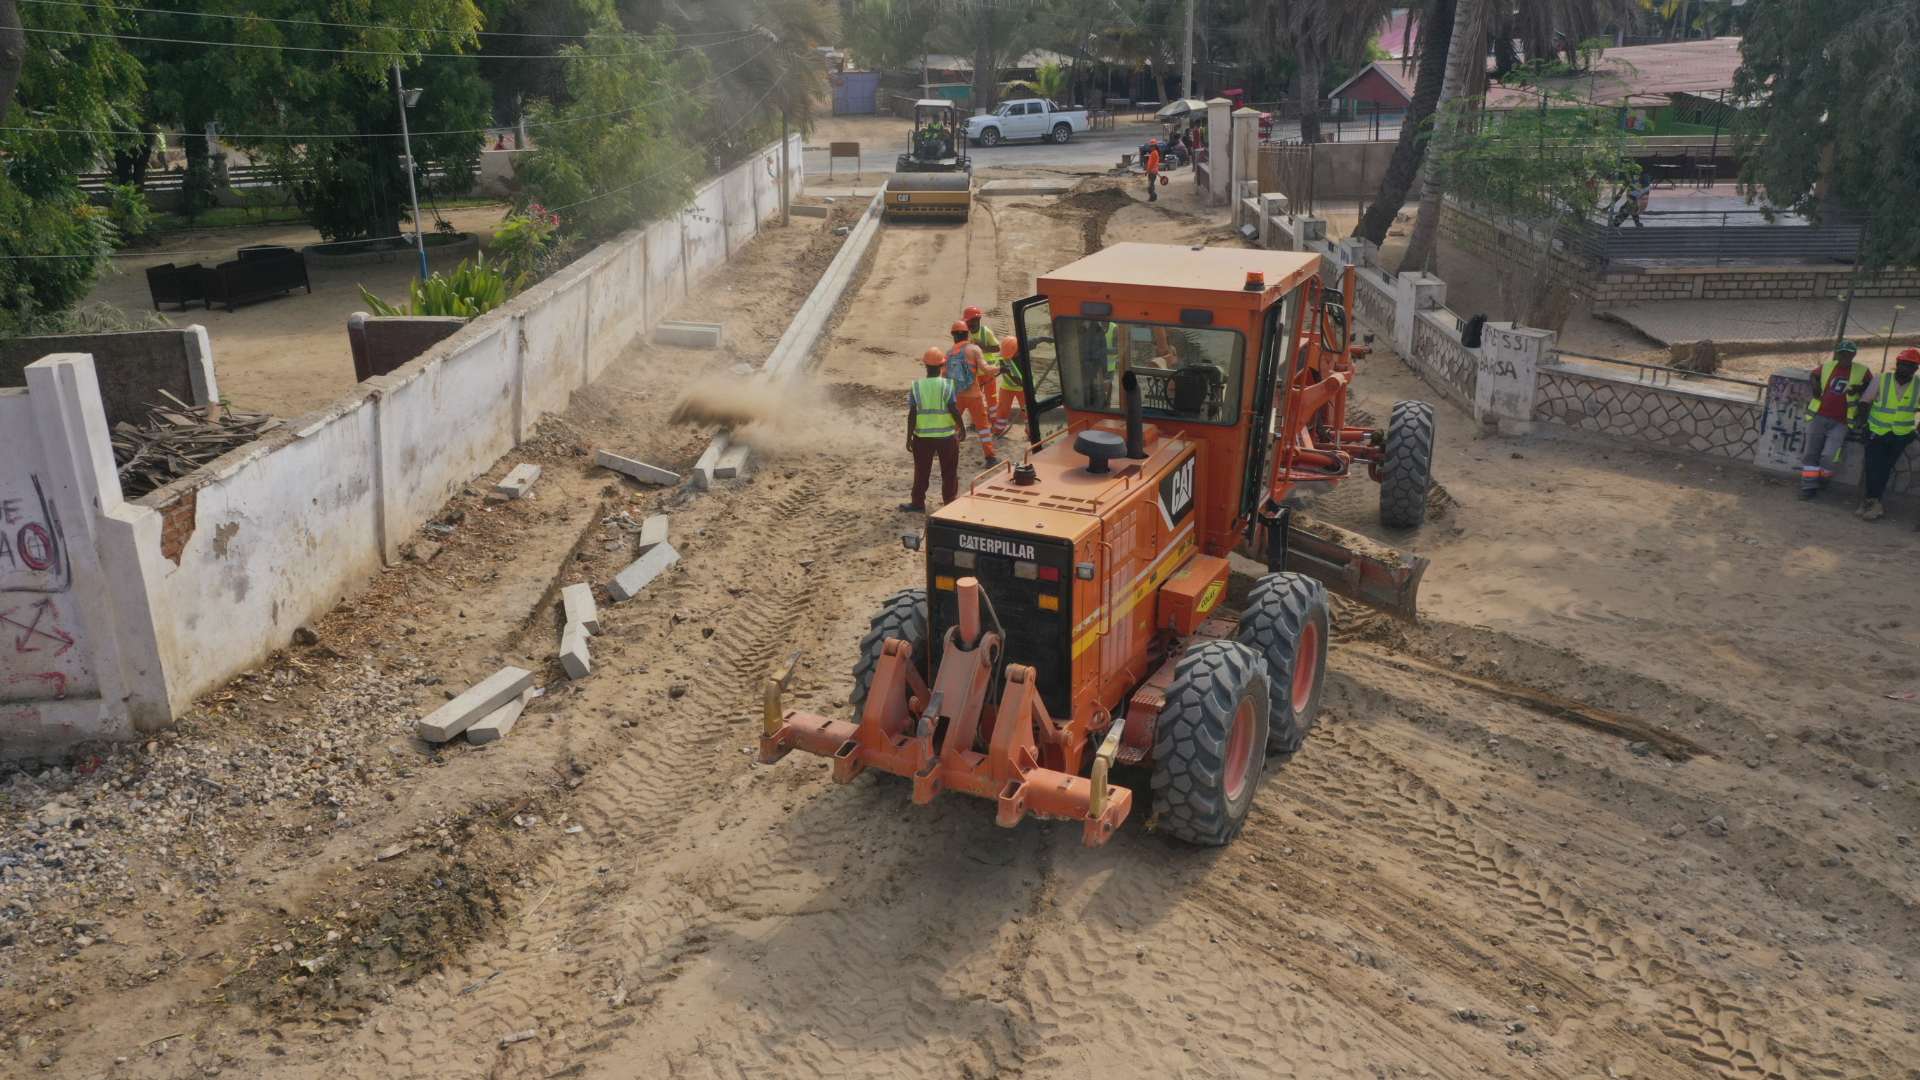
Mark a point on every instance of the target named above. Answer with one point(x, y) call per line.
point(1347, 563)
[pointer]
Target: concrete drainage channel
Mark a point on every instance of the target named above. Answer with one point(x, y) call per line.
point(490, 708)
point(723, 457)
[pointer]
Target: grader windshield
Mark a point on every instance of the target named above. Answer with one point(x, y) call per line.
point(1185, 372)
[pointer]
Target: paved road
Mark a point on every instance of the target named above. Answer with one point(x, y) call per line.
point(1092, 150)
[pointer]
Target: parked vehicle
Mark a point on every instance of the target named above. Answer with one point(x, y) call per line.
point(1031, 118)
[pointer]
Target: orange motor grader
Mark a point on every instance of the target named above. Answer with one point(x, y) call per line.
point(1072, 615)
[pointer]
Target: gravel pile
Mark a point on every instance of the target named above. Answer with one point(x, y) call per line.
point(171, 815)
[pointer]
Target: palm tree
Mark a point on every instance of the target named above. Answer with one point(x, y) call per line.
point(1463, 51)
point(1319, 34)
point(1545, 29)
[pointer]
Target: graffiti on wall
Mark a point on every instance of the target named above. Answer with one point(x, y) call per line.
point(43, 653)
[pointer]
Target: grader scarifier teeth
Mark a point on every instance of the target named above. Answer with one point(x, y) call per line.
point(930, 734)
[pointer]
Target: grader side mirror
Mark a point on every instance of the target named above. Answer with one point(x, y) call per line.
point(1333, 326)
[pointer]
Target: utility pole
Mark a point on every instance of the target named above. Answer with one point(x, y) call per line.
point(406, 139)
point(1186, 58)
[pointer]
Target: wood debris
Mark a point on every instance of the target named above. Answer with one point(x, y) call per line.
point(178, 439)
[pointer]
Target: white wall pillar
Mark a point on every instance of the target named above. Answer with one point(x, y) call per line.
point(1246, 154)
point(92, 662)
point(1509, 362)
point(1219, 151)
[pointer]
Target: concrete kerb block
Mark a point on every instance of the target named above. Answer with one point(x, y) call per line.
point(732, 463)
point(803, 210)
point(516, 483)
point(577, 600)
point(690, 334)
point(709, 460)
point(637, 576)
point(653, 533)
point(573, 652)
point(496, 724)
point(481, 699)
point(639, 470)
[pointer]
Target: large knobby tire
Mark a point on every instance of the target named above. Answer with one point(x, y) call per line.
point(1062, 132)
point(990, 136)
point(1286, 622)
point(903, 616)
point(1209, 752)
point(1406, 466)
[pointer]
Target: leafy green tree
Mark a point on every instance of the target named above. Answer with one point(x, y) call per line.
point(1321, 35)
point(71, 87)
point(765, 62)
point(1831, 115)
point(618, 155)
point(891, 35)
point(327, 70)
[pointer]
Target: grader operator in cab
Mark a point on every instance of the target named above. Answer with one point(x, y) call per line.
point(934, 178)
point(1072, 617)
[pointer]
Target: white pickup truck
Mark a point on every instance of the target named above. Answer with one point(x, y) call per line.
point(1033, 118)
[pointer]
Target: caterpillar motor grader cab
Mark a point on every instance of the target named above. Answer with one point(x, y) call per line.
point(934, 178)
point(1072, 616)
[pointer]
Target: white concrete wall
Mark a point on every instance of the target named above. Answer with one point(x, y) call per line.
point(278, 532)
point(79, 650)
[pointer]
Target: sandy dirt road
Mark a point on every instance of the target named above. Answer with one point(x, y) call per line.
point(1451, 879)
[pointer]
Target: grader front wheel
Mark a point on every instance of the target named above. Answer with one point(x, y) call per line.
point(1286, 622)
point(903, 616)
point(1211, 747)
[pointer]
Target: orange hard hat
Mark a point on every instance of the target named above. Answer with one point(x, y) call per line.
point(959, 327)
point(1911, 356)
point(970, 313)
point(933, 357)
point(1153, 142)
point(1009, 346)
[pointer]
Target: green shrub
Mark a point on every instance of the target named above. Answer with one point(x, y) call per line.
point(129, 214)
point(474, 289)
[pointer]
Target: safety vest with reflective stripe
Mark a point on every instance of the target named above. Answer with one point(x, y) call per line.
point(988, 341)
point(1895, 407)
point(1010, 372)
point(958, 370)
point(1856, 382)
point(933, 408)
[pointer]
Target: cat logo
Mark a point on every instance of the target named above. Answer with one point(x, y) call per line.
point(1176, 492)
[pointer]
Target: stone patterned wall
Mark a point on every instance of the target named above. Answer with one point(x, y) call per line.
point(1374, 303)
point(1628, 285)
point(1672, 418)
point(1438, 354)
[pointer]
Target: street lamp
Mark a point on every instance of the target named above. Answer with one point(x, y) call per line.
point(408, 99)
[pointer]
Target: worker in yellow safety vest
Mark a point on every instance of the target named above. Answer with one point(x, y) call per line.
point(934, 430)
point(1836, 397)
point(1891, 404)
point(1012, 390)
point(989, 343)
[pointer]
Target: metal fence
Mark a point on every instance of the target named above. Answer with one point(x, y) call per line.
point(1715, 238)
point(1288, 169)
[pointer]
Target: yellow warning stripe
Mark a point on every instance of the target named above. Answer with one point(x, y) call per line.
point(1146, 583)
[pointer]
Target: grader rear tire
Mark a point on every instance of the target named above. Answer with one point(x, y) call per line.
point(903, 616)
point(1406, 466)
point(1210, 750)
point(1286, 621)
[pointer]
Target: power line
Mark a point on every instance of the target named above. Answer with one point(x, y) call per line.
point(199, 251)
point(452, 131)
point(383, 53)
point(343, 26)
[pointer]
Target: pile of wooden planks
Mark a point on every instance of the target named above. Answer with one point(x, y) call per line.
point(179, 438)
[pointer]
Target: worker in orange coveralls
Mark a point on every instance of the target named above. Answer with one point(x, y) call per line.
point(989, 343)
point(966, 367)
